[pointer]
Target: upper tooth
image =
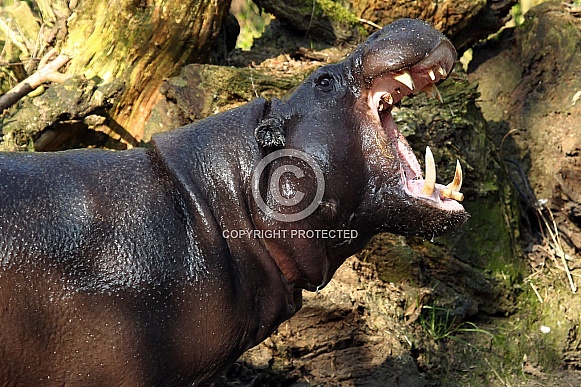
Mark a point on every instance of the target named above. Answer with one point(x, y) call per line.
point(430, 178)
point(456, 184)
point(432, 91)
point(405, 78)
point(431, 74)
point(442, 72)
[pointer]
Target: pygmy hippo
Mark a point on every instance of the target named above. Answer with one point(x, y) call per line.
point(161, 266)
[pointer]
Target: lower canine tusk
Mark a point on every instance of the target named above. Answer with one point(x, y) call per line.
point(456, 184)
point(430, 179)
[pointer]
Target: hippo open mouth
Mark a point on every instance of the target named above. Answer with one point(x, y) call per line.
point(386, 91)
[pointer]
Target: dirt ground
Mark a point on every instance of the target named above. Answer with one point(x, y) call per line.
point(367, 328)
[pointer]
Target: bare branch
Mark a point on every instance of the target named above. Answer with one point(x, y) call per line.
point(44, 60)
point(47, 73)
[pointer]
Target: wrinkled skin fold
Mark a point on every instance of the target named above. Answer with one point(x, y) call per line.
point(161, 266)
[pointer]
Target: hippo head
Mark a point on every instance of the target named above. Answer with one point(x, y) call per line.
point(335, 144)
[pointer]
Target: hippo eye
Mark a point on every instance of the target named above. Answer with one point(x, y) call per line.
point(324, 82)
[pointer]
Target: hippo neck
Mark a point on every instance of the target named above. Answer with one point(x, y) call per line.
point(211, 162)
point(214, 167)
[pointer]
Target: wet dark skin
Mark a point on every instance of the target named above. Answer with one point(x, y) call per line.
point(120, 268)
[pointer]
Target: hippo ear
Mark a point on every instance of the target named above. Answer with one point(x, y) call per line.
point(271, 131)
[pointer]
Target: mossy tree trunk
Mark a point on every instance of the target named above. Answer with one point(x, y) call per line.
point(140, 43)
point(133, 43)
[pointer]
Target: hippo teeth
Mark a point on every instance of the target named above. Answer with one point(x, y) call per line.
point(452, 190)
point(432, 75)
point(449, 194)
point(456, 184)
point(387, 98)
point(430, 176)
point(385, 102)
point(406, 78)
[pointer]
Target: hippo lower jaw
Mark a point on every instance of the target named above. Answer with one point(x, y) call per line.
point(388, 90)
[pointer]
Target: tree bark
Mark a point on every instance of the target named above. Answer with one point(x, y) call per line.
point(464, 22)
point(201, 90)
point(137, 42)
point(140, 42)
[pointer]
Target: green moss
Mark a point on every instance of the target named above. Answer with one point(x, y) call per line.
point(490, 238)
point(336, 11)
point(534, 337)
